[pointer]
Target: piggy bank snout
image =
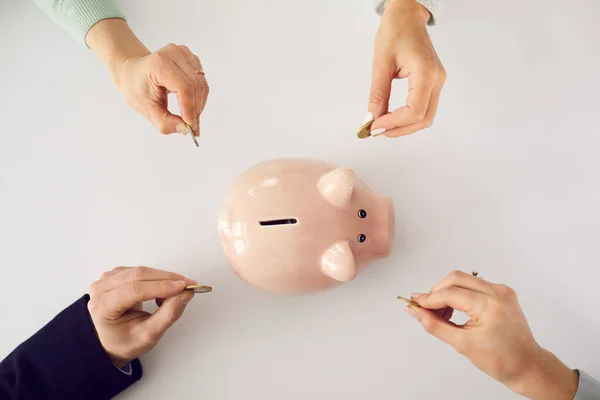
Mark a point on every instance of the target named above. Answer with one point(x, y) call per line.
point(383, 227)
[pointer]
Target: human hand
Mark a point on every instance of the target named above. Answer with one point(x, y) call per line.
point(146, 81)
point(146, 78)
point(497, 338)
point(124, 329)
point(403, 49)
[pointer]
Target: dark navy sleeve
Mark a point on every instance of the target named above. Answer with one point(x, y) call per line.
point(64, 360)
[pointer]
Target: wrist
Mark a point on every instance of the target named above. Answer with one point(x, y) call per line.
point(118, 362)
point(408, 10)
point(114, 43)
point(546, 378)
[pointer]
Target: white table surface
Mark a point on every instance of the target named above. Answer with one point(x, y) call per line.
point(506, 182)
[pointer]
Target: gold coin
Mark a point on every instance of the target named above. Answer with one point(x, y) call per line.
point(199, 288)
point(190, 132)
point(410, 302)
point(365, 130)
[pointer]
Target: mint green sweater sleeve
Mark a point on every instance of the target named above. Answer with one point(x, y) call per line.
point(77, 17)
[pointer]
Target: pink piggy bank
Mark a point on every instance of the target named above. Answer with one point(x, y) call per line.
point(301, 225)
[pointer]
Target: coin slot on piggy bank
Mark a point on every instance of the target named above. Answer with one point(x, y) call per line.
point(301, 225)
point(286, 221)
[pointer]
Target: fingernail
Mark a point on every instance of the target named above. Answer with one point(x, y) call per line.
point(411, 312)
point(179, 284)
point(186, 297)
point(368, 118)
point(415, 296)
point(378, 131)
point(181, 128)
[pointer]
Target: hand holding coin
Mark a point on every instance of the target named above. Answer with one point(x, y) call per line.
point(124, 329)
point(404, 50)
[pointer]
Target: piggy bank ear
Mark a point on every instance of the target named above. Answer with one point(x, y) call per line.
point(338, 262)
point(336, 186)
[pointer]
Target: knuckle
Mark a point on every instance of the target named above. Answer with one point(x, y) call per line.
point(93, 306)
point(163, 128)
point(506, 292)
point(140, 272)
point(419, 114)
point(428, 122)
point(172, 317)
point(428, 324)
point(166, 286)
point(135, 288)
point(442, 75)
point(94, 289)
point(455, 275)
point(377, 98)
point(197, 81)
point(184, 48)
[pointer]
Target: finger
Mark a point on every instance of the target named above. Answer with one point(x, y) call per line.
point(127, 275)
point(125, 297)
point(446, 331)
point(185, 61)
point(192, 59)
point(169, 312)
point(159, 302)
point(381, 87)
point(458, 298)
point(98, 287)
point(112, 272)
point(426, 123)
point(166, 122)
point(464, 280)
point(419, 96)
point(174, 80)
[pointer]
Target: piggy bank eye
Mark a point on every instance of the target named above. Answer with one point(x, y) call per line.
point(362, 214)
point(361, 238)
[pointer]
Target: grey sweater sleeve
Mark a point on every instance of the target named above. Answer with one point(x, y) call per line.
point(434, 7)
point(589, 388)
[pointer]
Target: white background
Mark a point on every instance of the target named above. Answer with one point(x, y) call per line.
point(506, 182)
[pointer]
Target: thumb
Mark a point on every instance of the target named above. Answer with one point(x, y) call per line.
point(433, 324)
point(168, 313)
point(166, 122)
point(381, 88)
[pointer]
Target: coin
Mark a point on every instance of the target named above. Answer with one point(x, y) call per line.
point(190, 132)
point(199, 288)
point(410, 302)
point(365, 130)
